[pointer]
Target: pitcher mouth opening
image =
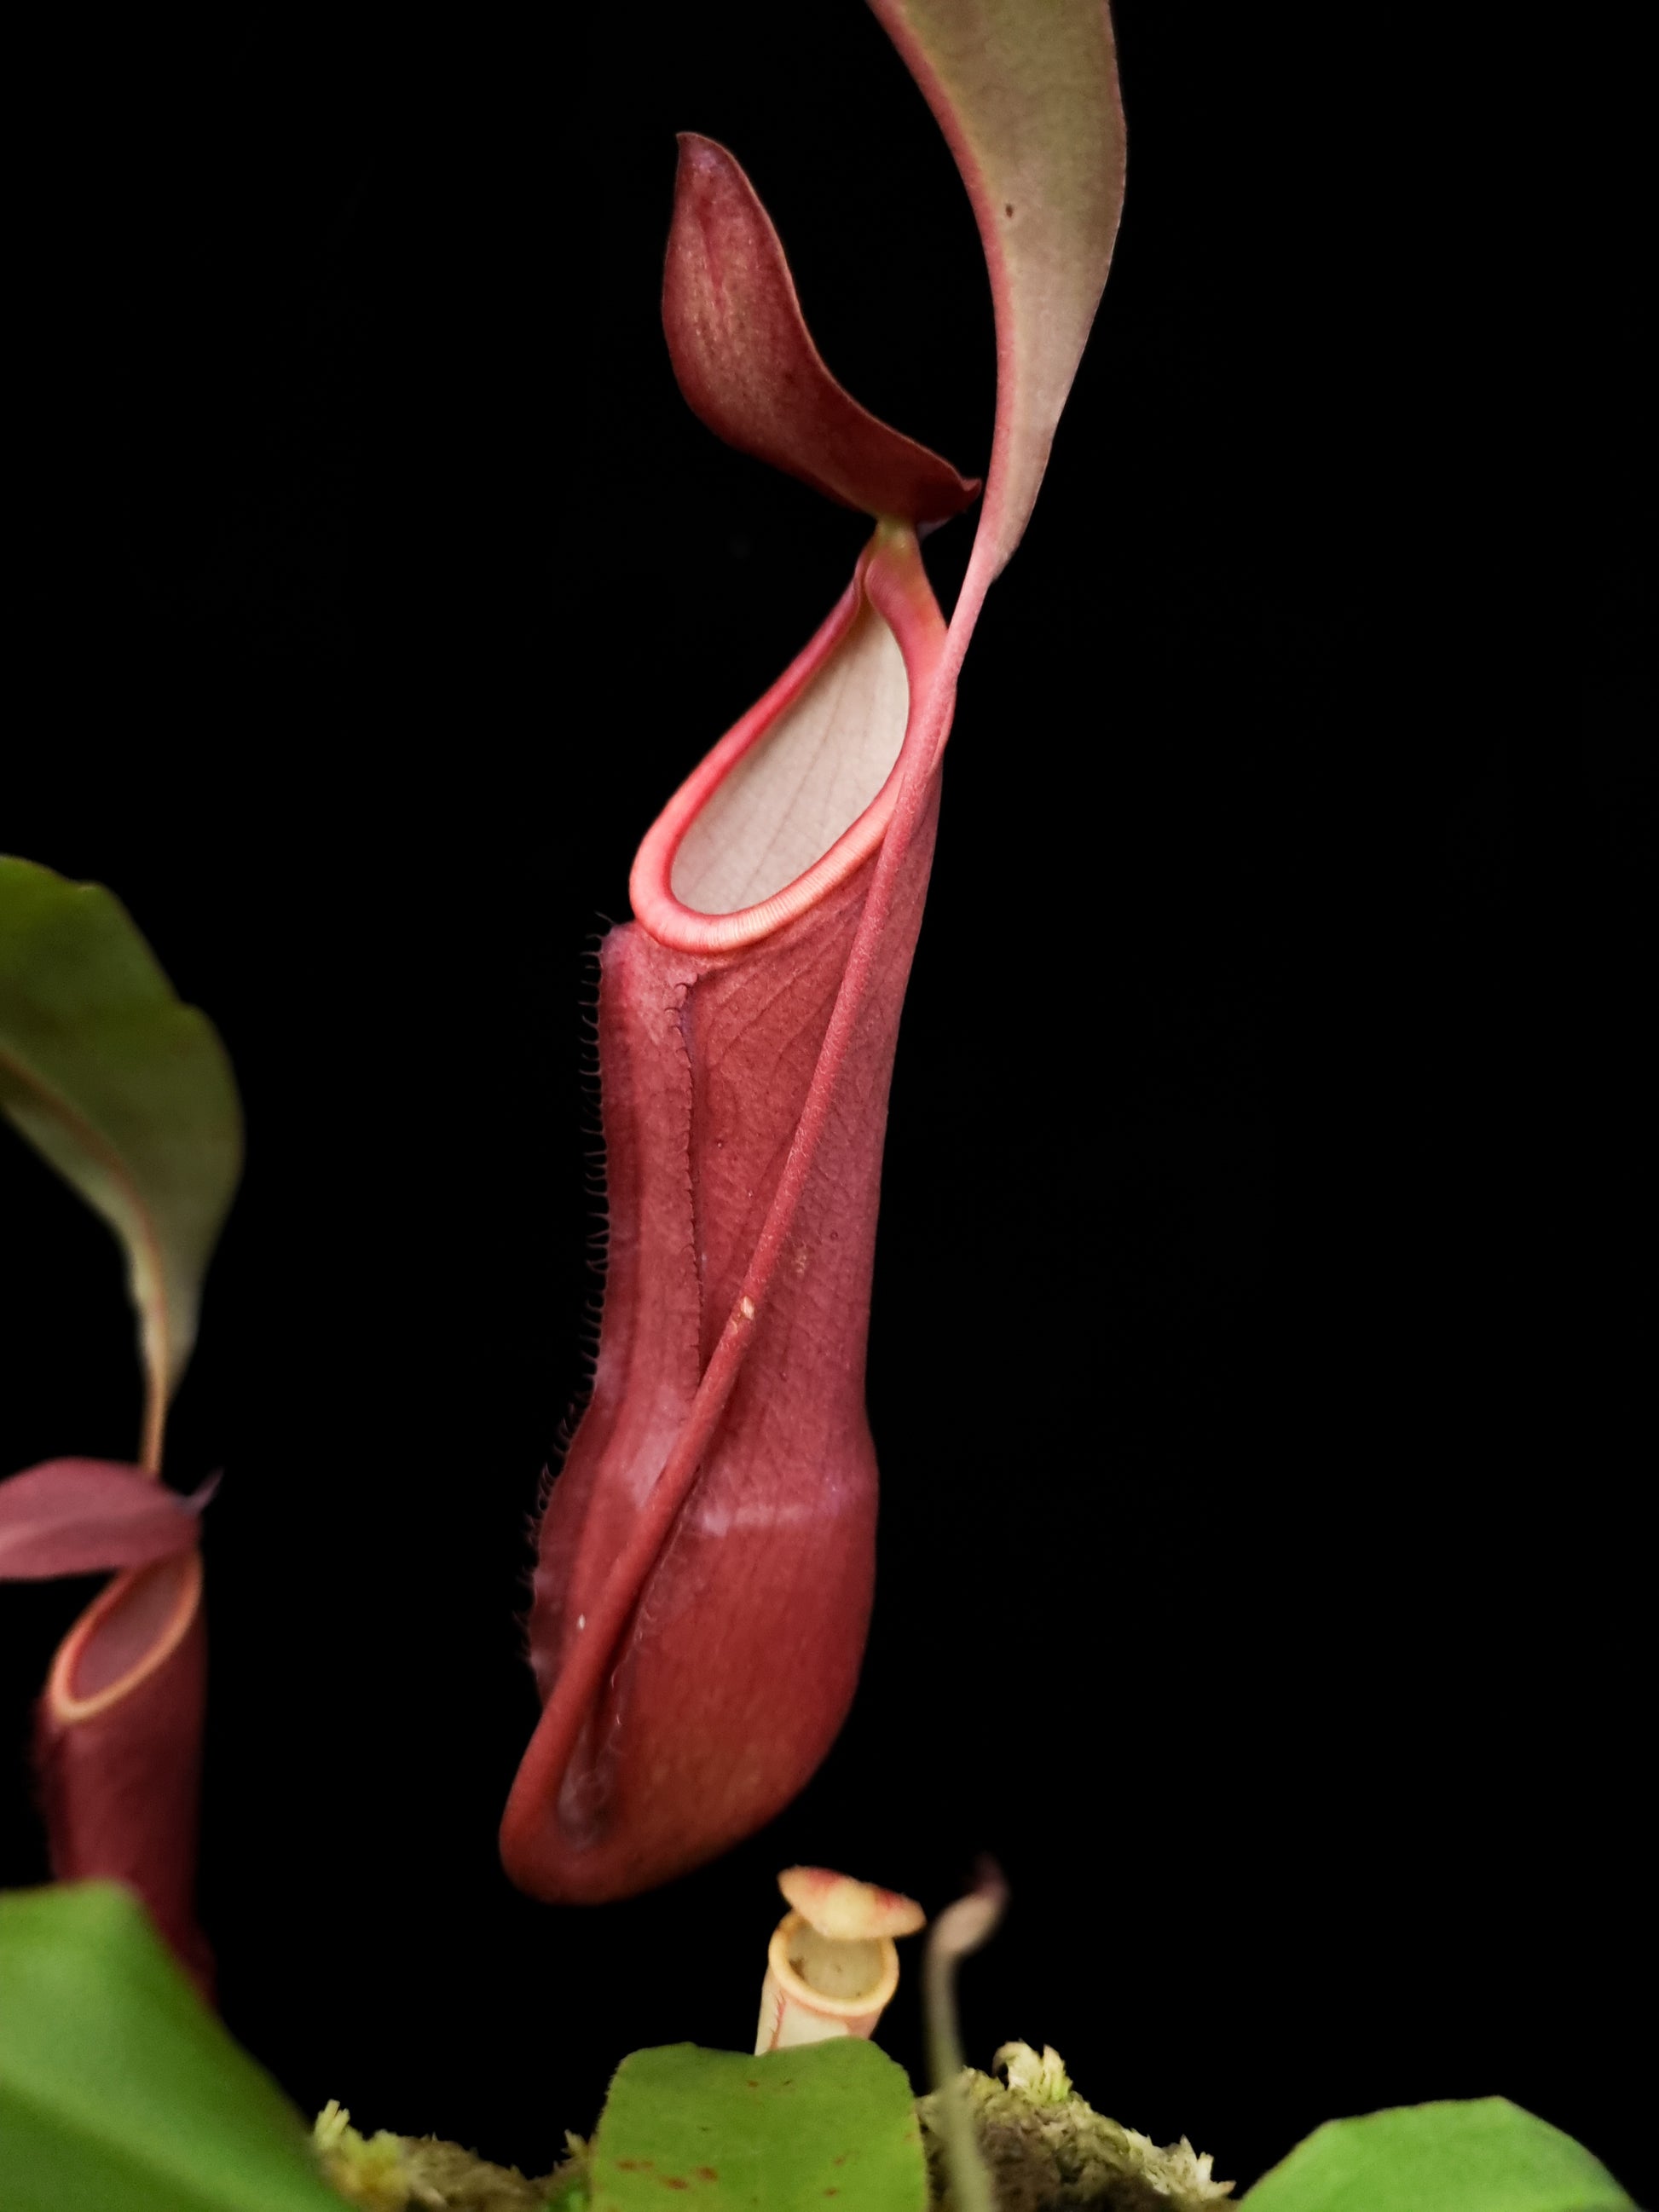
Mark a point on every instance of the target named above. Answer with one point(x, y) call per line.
point(797, 795)
point(130, 1629)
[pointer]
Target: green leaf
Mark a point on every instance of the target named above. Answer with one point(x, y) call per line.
point(1482, 2155)
point(119, 2092)
point(1027, 96)
point(831, 2126)
point(126, 1091)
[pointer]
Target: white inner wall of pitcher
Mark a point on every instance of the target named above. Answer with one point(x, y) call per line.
point(835, 1969)
point(804, 783)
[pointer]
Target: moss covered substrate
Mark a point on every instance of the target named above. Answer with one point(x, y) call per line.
point(1045, 2148)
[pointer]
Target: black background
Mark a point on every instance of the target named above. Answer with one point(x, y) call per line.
point(1260, 1308)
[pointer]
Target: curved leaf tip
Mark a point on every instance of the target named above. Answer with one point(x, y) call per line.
point(747, 365)
point(1027, 97)
point(126, 1091)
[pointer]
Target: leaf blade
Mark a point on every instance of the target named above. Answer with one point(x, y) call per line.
point(1028, 100)
point(126, 1091)
point(1476, 2154)
point(785, 2131)
point(118, 2089)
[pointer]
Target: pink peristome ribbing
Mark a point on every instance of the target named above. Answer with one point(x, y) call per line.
point(747, 365)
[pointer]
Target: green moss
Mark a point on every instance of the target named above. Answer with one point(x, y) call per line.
point(384, 2172)
point(1046, 2150)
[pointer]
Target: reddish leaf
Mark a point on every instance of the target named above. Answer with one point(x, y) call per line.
point(749, 367)
point(80, 1516)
